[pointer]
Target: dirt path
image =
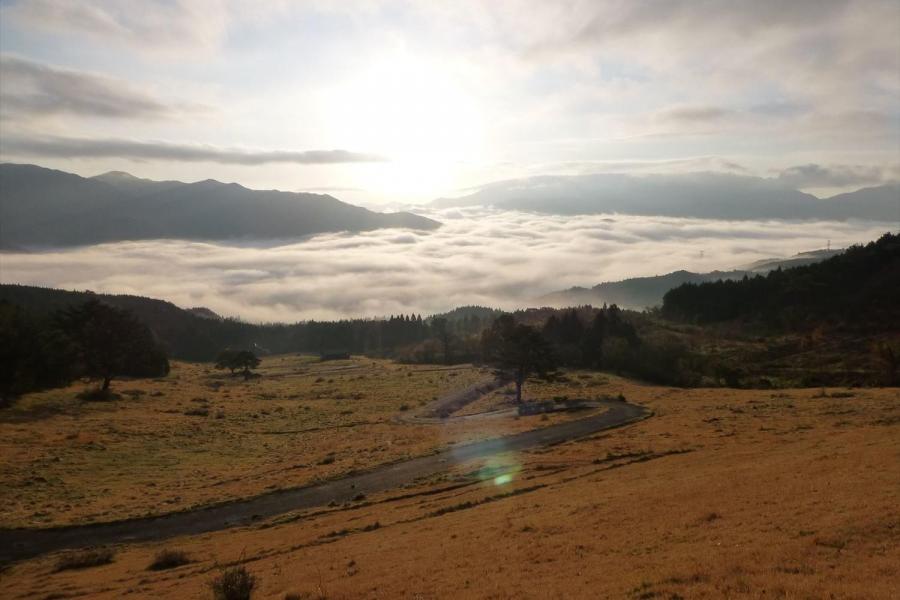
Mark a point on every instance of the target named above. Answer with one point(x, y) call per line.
point(16, 544)
point(441, 409)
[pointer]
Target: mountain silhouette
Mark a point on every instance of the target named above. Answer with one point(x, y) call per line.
point(695, 195)
point(45, 208)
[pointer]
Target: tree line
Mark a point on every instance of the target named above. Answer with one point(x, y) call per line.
point(537, 343)
point(187, 335)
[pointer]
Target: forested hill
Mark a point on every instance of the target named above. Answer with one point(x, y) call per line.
point(183, 333)
point(42, 207)
point(198, 334)
point(859, 289)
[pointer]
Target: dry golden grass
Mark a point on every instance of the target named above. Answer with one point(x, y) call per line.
point(722, 494)
point(200, 436)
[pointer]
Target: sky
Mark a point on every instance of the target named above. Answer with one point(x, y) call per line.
point(386, 103)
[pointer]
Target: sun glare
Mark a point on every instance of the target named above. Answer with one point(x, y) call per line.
point(414, 114)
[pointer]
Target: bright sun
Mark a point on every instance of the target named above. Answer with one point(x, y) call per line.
point(414, 114)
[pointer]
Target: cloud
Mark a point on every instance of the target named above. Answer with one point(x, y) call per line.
point(835, 176)
point(68, 147)
point(766, 83)
point(479, 256)
point(694, 114)
point(670, 166)
point(641, 17)
point(170, 27)
point(35, 89)
point(752, 60)
point(333, 188)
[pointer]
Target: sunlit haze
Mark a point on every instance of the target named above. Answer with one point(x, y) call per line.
point(428, 99)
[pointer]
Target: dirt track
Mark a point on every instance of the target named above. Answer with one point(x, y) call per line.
point(16, 544)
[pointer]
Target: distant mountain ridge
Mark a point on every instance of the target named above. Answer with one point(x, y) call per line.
point(45, 208)
point(644, 292)
point(689, 195)
point(859, 288)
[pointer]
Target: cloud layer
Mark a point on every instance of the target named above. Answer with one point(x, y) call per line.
point(161, 27)
point(484, 257)
point(32, 89)
point(68, 147)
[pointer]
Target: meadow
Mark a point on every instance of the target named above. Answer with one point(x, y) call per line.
point(721, 493)
point(201, 436)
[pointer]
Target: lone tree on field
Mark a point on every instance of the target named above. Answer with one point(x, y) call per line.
point(237, 359)
point(518, 349)
point(110, 342)
point(226, 360)
point(246, 360)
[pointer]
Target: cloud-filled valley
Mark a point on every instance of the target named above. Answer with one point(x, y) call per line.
point(479, 256)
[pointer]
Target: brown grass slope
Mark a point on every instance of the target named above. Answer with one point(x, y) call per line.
point(722, 494)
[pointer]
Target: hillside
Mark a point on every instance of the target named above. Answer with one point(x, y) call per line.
point(185, 334)
point(638, 293)
point(694, 195)
point(859, 288)
point(42, 207)
point(798, 260)
point(198, 333)
point(720, 494)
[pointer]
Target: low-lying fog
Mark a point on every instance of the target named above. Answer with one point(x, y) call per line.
point(479, 256)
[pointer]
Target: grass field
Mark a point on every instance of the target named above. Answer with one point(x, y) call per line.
point(721, 494)
point(200, 436)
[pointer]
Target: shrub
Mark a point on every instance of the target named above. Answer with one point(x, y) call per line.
point(235, 583)
point(168, 559)
point(97, 395)
point(83, 559)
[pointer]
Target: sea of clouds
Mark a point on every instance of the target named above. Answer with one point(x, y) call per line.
point(479, 256)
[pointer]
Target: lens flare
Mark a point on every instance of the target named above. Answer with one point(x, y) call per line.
point(503, 479)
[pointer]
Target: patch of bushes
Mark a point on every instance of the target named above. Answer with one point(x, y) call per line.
point(84, 559)
point(235, 583)
point(168, 559)
point(97, 395)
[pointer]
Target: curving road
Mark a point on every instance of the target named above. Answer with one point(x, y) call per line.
point(17, 544)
